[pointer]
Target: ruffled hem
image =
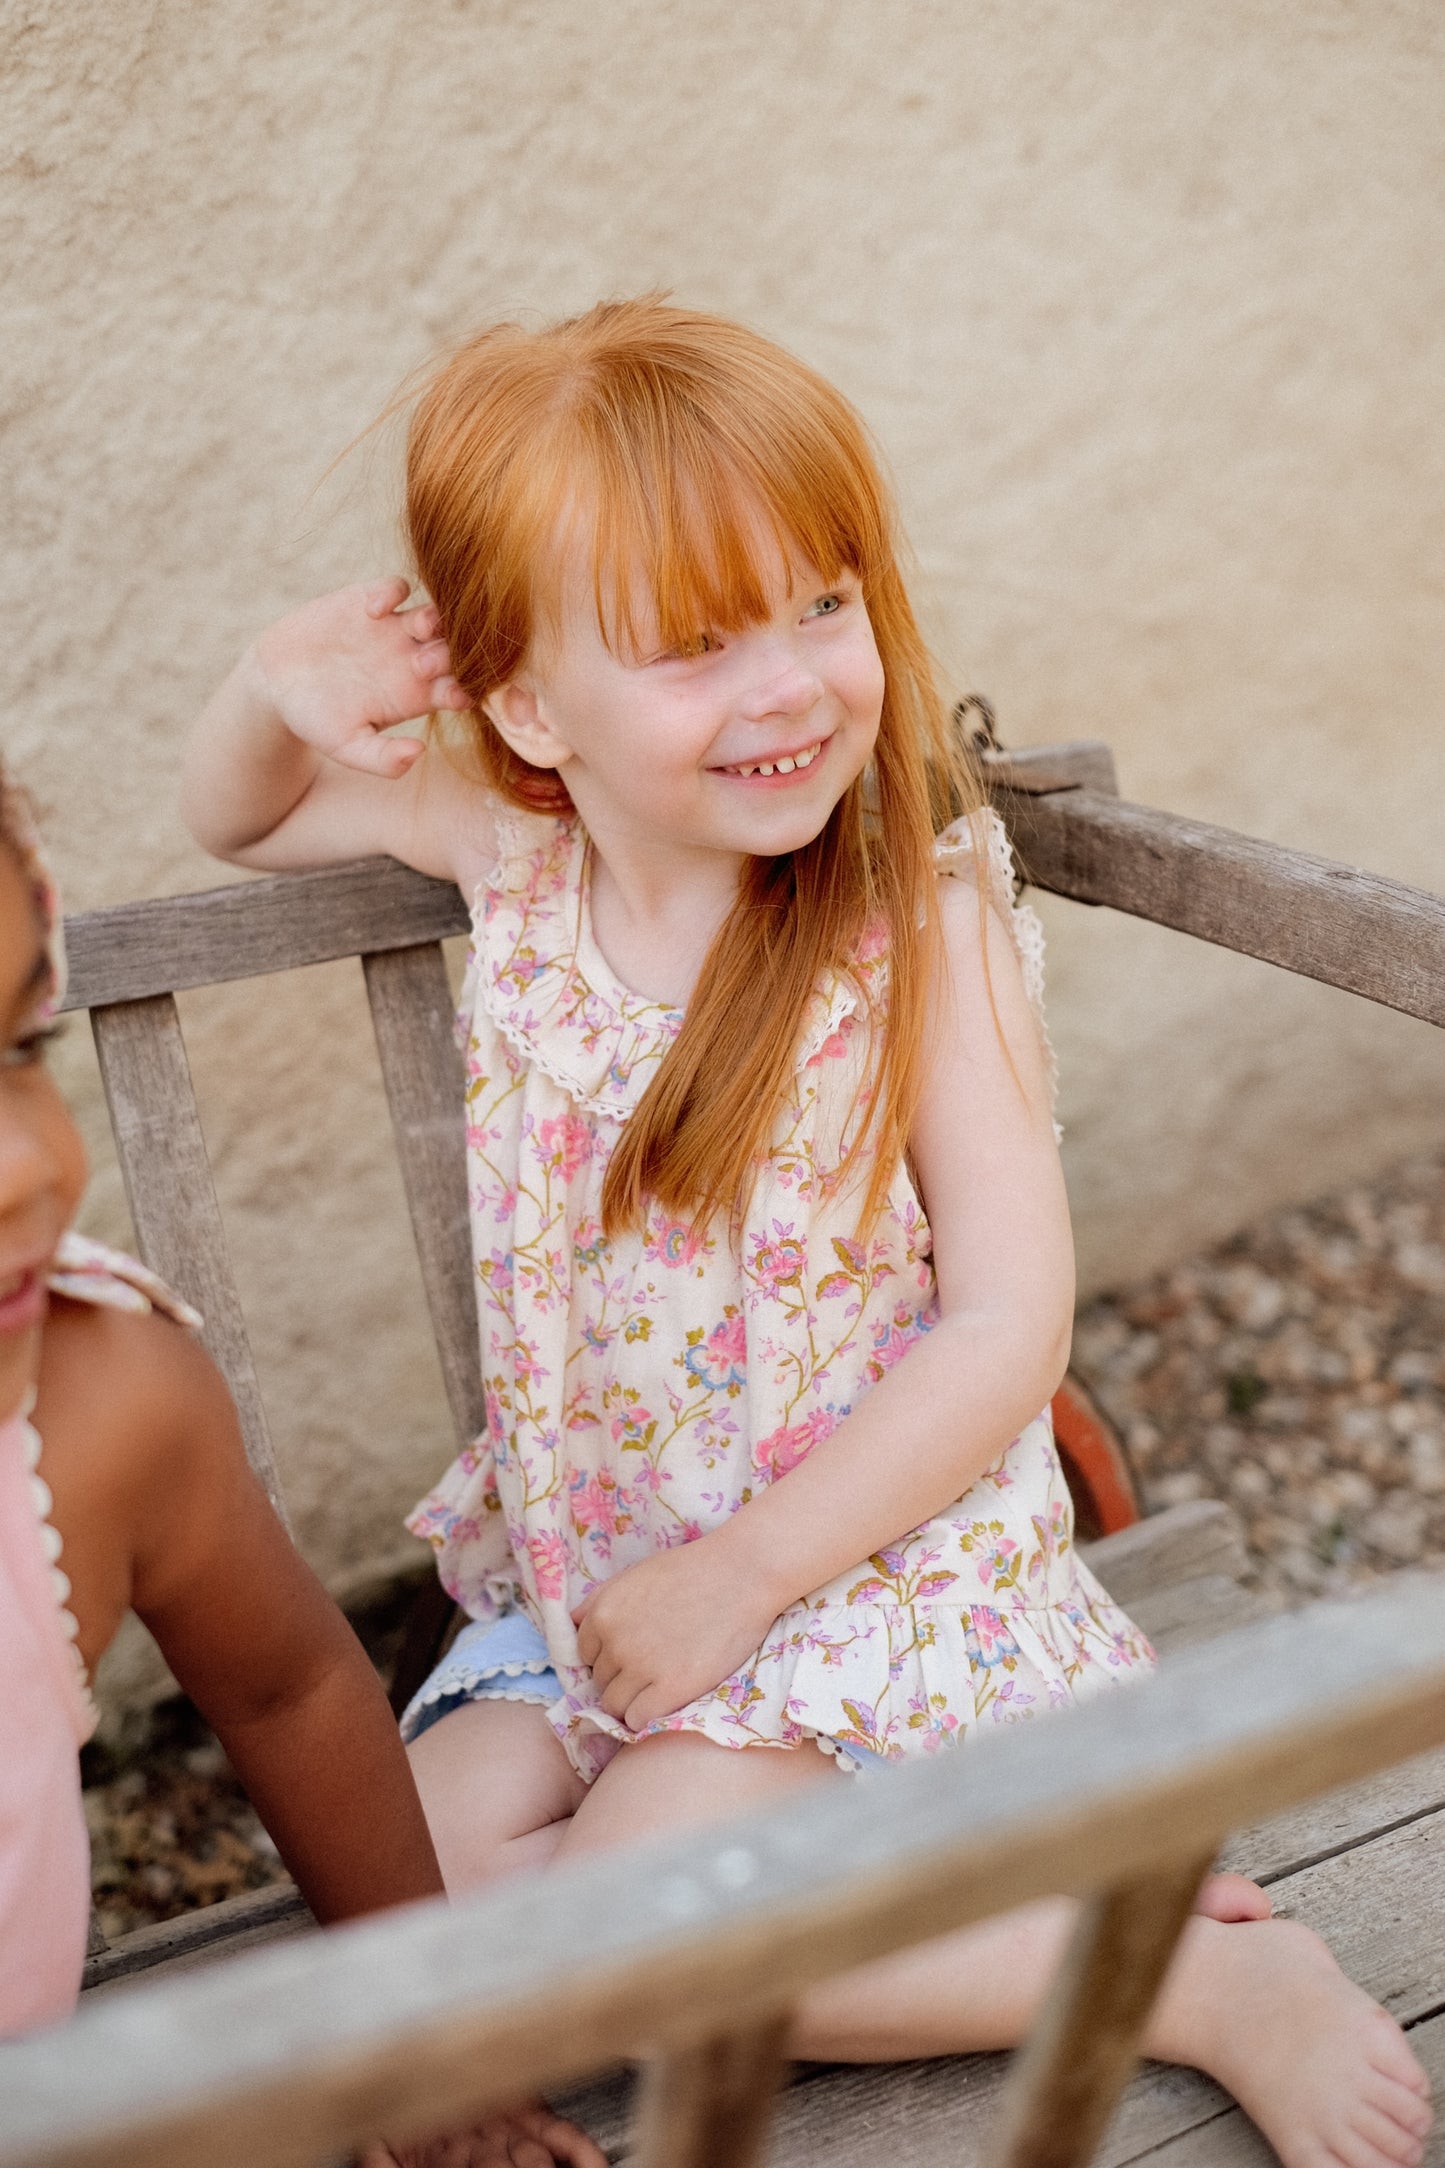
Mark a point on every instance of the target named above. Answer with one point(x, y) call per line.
point(895, 1681)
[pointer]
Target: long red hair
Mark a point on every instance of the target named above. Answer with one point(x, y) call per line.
point(670, 432)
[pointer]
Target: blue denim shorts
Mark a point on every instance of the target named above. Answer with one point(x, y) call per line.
point(494, 1659)
point(505, 1659)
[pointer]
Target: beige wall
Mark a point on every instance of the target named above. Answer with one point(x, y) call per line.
point(1146, 305)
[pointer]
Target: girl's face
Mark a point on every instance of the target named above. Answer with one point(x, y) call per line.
point(42, 1160)
point(741, 743)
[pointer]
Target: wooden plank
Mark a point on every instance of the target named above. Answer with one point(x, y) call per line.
point(1074, 764)
point(1173, 1572)
point(1352, 929)
point(422, 1069)
point(1325, 1828)
point(709, 2106)
point(252, 927)
point(172, 1198)
point(219, 1930)
point(1184, 1543)
point(442, 2011)
point(1080, 2056)
point(280, 921)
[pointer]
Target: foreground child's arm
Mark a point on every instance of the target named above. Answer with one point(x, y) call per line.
point(160, 1511)
point(289, 765)
point(676, 1625)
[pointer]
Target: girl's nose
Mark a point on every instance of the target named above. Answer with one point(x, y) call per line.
point(789, 691)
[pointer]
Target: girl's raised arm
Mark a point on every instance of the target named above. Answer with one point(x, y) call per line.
point(290, 766)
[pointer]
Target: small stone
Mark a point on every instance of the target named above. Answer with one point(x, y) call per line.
point(1422, 1264)
point(1175, 1490)
point(1249, 1485)
point(1425, 1457)
point(1397, 1529)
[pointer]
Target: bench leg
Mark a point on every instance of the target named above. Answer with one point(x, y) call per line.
point(1071, 2071)
point(709, 2106)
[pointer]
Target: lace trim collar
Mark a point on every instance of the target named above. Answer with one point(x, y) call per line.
point(549, 990)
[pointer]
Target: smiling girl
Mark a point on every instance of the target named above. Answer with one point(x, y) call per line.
point(771, 1242)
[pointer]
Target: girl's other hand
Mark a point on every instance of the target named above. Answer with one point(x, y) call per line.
point(342, 669)
point(672, 1627)
point(526, 2137)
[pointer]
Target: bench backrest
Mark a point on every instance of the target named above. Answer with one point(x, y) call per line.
point(717, 1997)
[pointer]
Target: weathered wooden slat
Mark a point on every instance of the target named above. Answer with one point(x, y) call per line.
point(172, 1198)
point(709, 2106)
point(1068, 2080)
point(219, 1930)
point(439, 2013)
point(421, 1067)
point(1185, 1543)
point(943, 2114)
point(165, 944)
point(1355, 930)
point(276, 923)
point(1156, 1563)
point(1074, 764)
point(1327, 1828)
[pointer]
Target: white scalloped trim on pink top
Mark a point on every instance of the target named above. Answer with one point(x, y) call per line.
point(50, 1543)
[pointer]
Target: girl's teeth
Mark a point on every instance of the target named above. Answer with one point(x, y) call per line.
point(785, 766)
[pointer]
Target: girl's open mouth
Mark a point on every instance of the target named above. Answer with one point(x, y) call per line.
point(22, 1300)
point(782, 765)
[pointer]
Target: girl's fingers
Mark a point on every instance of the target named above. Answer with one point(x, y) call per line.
point(446, 693)
point(373, 755)
point(424, 622)
point(384, 596)
point(432, 660)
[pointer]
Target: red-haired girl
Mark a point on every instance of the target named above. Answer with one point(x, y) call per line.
point(772, 1249)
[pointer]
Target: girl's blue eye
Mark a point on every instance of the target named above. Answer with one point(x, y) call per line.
point(827, 605)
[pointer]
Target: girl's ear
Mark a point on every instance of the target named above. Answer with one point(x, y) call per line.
point(515, 713)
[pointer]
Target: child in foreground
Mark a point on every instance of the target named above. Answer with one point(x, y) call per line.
point(141, 1487)
point(772, 1250)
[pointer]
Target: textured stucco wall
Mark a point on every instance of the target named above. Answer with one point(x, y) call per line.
point(1145, 305)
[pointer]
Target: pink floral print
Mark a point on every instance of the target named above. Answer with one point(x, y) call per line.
point(639, 1390)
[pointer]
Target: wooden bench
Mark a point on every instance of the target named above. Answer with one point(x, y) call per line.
point(1180, 1573)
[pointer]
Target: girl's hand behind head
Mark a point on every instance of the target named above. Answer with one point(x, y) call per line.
point(342, 669)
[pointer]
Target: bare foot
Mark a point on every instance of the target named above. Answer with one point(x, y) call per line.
point(1325, 2072)
point(526, 2137)
point(1232, 1897)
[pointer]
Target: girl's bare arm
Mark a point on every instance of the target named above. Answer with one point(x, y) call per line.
point(290, 766)
point(159, 1511)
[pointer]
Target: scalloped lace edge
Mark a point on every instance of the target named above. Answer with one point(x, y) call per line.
point(1024, 924)
point(51, 1544)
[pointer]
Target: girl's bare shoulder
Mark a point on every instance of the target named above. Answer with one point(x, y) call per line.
point(136, 1426)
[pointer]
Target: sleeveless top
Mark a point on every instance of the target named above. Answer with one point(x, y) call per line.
point(640, 1389)
point(46, 1709)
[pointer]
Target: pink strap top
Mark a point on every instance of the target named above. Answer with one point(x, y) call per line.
point(46, 1711)
point(46, 1714)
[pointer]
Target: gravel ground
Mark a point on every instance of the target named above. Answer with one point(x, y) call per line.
point(1297, 1371)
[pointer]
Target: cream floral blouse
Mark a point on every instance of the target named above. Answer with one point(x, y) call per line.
point(639, 1390)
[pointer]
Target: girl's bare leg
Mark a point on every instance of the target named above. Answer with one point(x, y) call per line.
point(496, 1788)
point(1258, 2003)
